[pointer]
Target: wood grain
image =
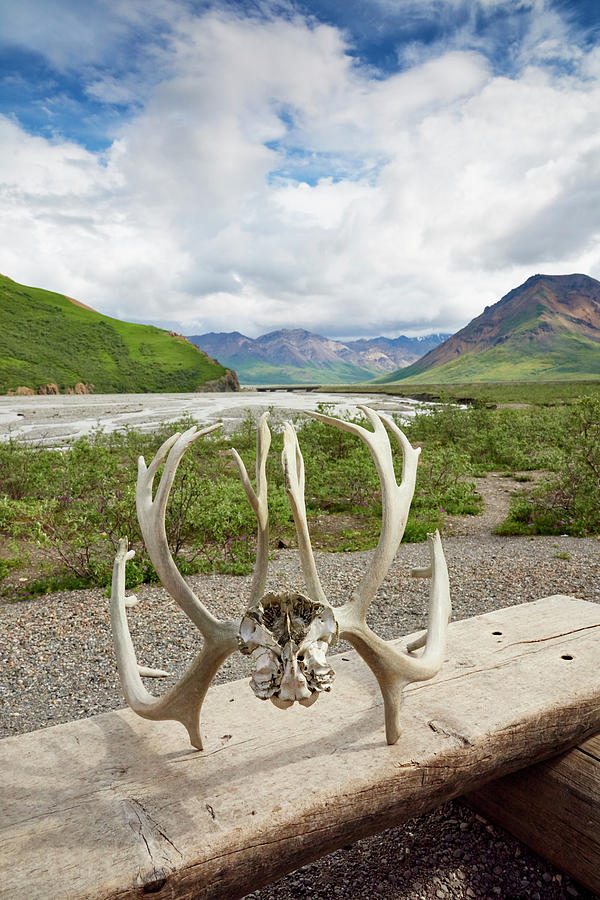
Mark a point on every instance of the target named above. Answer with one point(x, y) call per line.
point(116, 806)
point(554, 807)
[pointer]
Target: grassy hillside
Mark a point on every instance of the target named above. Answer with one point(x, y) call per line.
point(566, 356)
point(546, 329)
point(45, 338)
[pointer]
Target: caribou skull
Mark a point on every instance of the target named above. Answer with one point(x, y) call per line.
point(287, 634)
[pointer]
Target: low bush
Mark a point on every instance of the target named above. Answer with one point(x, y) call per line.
point(69, 508)
point(496, 439)
point(568, 500)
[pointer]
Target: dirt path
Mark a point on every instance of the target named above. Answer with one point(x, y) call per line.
point(496, 491)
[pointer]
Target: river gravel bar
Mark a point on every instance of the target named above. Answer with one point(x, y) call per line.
point(56, 420)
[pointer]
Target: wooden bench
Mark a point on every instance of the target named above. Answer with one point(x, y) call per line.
point(116, 806)
point(554, 807)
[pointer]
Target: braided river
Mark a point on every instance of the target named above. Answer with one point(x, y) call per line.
point(56, 420)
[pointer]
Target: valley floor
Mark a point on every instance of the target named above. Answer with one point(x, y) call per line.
point(61, 667)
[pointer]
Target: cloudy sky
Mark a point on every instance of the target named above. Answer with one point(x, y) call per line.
point(354, 167)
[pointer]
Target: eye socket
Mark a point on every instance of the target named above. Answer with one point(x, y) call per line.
point(300, 657)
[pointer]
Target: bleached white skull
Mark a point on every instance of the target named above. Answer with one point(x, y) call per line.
point(287, 636)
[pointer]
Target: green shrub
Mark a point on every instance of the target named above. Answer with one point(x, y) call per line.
point(568, 501)
point(443, 484)
point(417, 529)
point(529, 438)
point(72, 506)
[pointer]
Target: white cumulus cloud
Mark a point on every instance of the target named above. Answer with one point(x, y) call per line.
point(267, 180)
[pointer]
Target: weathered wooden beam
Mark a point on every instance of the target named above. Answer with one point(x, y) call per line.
point(116, 806)
point(554, 807)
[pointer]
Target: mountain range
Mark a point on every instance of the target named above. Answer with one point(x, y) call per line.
point(51, 344)
point(297, 356)
point(546, 329)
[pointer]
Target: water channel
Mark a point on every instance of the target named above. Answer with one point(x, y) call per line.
point(56, 420)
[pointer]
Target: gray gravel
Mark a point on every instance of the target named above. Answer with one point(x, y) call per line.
point(58, 666)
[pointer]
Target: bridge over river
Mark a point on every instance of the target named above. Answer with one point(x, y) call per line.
point(262, 388)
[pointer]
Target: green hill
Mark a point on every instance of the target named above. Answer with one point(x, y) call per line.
point(47, 338)
point(547, 329)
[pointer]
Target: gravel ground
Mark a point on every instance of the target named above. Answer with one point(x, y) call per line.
point(58, 666)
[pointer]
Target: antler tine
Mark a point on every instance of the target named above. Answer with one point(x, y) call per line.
point(175, 456)
point(184, 701)
point(293, 469)
point(258, 502)
point(393, 667)
point(439, 594)
point(160, 455)
point(396, 498)
point(440, 612)
point(151, 515)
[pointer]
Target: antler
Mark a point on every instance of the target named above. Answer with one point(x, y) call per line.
point(396, 499)
point(151, 516)
point(293, 470)
point(184, 701)
point(258, 502)
point(315, 622)
point(393, 667)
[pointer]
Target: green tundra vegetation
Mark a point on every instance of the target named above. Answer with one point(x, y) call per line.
point(65, 510)
point(490, 393)
point(561, 440)
point(47, 338)
point(62, 512)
